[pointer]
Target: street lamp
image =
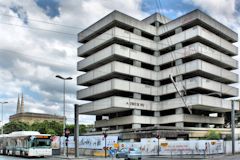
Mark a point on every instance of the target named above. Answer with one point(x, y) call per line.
point(2, 116)
point(64, 117)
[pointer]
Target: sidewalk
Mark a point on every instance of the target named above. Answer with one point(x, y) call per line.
point(85, 158)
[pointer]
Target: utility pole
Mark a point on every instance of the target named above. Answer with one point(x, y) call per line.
point(76, 133)
point(233, 127)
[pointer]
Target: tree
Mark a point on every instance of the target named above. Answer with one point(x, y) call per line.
point(82, 128)
point(48, 127)
point(15, 126)
point(213, 135)
point(45, 127)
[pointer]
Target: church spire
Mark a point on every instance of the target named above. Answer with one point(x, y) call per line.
point(18, 105)
point(22, 104)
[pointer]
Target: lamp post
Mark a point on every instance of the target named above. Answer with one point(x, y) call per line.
point(2, 116)
point(64, 116)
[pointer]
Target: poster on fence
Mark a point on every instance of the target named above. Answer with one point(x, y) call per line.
point(150, 147)
point(96, 142)
point(55, 142)
point(91, 142)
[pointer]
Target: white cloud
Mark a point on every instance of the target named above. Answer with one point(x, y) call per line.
point(226, 12)
point(30, 58)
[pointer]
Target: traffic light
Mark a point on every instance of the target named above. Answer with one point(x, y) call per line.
point(66, 132)
point(105, 135)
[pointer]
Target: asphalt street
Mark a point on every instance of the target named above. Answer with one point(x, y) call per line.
point(219, 157)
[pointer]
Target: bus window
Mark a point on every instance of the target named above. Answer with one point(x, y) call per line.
point(41, 143)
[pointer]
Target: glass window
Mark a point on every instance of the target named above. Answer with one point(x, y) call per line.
point(41, 143)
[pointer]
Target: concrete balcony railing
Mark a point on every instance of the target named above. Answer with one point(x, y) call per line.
point(128, 86)
point(159, 120)
point(118, 104)
point(130, 22)
point(197, 32)
point(207, 69)
point(202, 19)
point(196, 50)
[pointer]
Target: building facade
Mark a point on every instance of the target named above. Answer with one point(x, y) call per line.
point(29, 117)
point(128, 64)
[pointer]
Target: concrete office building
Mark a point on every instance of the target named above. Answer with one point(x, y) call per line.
point(128, 63)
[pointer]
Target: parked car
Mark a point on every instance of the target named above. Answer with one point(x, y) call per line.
point(131, 153)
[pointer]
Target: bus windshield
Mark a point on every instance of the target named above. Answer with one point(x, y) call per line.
point(41, 143)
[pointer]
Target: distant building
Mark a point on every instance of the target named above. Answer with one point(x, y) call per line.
point(130, 65)
point(29, 117)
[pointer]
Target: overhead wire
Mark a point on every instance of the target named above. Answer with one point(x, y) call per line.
point(71, 34)
point(57, 31)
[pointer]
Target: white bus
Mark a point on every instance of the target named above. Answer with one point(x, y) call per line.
point(26, 143)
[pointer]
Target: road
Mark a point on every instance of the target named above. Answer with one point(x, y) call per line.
point(220, 157)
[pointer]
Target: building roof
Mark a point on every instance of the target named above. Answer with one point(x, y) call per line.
point(30, 114)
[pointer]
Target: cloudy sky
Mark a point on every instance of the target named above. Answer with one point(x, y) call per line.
point(39, 40)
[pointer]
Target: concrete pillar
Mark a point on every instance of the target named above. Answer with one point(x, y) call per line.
point(179, 124)
point(179, 111)
point(156, 38)
point(136, 112)
point(178, 62)
point(137, 95)
point(157, 24)
point(177, 79)
point(157, 83)
point(137, 31)
point(156, 53)
point(137, 47)
point(178, 46)
point(135, 125)
point(157, 98)
point(119, 127)
point(199, 125)
point(137, 63)
point(178, 30)
point(157, 68)
point(157, 114)
point(137, 79)
point(180, 77)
